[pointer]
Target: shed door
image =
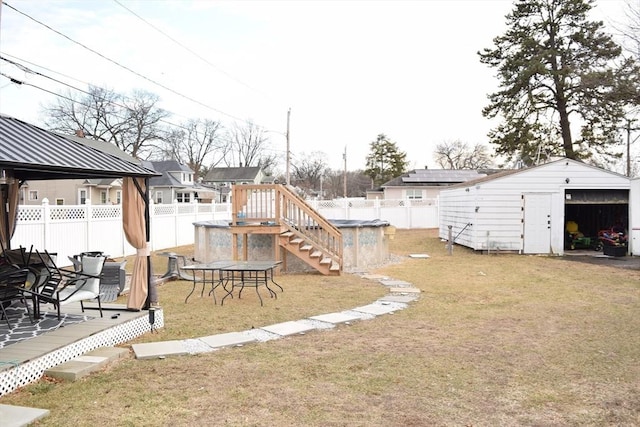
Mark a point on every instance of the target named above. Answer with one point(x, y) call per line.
point(537, 223)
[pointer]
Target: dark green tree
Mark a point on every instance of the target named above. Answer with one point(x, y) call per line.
point(385, 161)
point(557, 69)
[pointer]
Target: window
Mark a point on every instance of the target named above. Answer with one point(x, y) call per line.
point(158, 197)
point(33, 194)
point(414, 194)
point(103, 197)
point(183, 197)
point(118, 197)
point(82, 196)
point(59, 202)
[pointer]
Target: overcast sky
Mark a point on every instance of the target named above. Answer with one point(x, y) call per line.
point(348, 70)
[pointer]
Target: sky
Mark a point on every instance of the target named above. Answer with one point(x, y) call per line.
point(347, 70)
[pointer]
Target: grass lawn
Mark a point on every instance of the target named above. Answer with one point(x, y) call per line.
point(507, 340)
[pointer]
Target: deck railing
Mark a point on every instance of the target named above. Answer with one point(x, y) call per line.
point(278, 205)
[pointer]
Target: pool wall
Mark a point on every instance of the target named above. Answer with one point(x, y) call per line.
point(366, 244)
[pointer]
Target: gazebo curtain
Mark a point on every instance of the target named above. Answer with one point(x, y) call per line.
point(10, 195)
point(134, 225)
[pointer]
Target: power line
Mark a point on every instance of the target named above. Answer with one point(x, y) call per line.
point(220, 70)
point(123, 66)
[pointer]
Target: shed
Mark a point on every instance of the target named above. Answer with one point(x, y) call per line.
point(527, 210)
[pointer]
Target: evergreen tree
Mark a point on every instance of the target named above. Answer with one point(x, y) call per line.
point(385, 161)
point(556, 70)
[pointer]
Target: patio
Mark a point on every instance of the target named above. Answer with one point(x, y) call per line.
point(27, 360)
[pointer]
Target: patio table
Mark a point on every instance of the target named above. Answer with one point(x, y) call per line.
point(212, 268)
point(249, 273)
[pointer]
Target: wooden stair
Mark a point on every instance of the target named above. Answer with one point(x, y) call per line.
point(297, 227)
point(308, 253)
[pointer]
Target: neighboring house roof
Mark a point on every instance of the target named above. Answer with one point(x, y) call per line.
point(34, 153)
point(433, 178)
point(165, 167)
point(102, 182)
point(244, 174)
point(171, 166)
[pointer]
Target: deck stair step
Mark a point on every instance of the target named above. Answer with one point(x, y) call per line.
point(315, 254)
point(306, 248)
point(89, 362)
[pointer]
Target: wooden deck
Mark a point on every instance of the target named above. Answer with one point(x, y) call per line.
point(26, 361)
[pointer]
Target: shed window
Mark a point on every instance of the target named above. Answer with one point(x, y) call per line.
point(413, 194)
point(33, 194)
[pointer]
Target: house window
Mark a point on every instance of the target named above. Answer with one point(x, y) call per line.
point(59, 202)
point(118, 197)
point(103, 197)
point(183, 197)
point(414, 194)
point(82, 196)
point(33, 194)
point(159, 197)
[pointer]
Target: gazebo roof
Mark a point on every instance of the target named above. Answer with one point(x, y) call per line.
point(33, 153)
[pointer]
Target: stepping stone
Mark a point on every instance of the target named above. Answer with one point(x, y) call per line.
point(376, 309)
point(399, 298)
point(288, 328)
point(418, 256)
point(154, 350)
point(227, 340)
point(405, 290)
point(335, 318)
point(82, 366)
point(19, 416)
point(374, 276)
point(396, 283)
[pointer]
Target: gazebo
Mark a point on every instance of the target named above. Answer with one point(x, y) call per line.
point(28, 152)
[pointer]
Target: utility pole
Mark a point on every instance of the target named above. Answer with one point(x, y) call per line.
point(629, 142)
point(288, 149)
point(344, 175)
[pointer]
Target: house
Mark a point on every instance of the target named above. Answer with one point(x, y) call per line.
point(176, 183)
point(105, 191)
point(527, 210)
point(223, 178)
point(421, 184)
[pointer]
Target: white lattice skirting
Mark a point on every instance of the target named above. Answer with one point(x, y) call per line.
point(25, 373)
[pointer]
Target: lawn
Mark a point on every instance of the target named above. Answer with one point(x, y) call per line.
point(493, 340)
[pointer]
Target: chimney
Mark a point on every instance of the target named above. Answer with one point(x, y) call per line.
point(80, 133)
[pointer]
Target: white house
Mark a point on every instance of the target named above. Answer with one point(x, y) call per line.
point(527, 210)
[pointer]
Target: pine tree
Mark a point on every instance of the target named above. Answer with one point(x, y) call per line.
point(558, 72)
point(385, 161)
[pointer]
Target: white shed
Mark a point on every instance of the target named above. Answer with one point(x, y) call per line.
point(634, 217)
point(527, 210)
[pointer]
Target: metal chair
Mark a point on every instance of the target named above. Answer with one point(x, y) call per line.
point(13, 281)
point(59, 287)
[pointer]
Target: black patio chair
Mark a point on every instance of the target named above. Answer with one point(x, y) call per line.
point(59, 287)
point(13, 281)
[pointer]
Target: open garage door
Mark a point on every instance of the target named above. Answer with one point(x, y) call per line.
point(595, 210)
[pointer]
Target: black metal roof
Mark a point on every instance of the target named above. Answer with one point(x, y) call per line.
point(34, 153)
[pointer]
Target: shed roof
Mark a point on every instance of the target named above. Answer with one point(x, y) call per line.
point(232, 174)
point(34, 153)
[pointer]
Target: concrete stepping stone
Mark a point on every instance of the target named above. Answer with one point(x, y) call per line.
point(288, 328)
point(82, 366)
point(18, 416)
point(374, 277)
point(399, 298)
point(396, 283)
point(376, 309)
point(335, 318)
point(154, 350)
point(230, 339)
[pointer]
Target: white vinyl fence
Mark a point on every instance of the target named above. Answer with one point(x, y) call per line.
point(71, 229)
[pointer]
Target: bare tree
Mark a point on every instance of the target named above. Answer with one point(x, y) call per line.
point(249, 146)
point(132, 123)
point(459, 155)
point(199, 144)
point(309, 171)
